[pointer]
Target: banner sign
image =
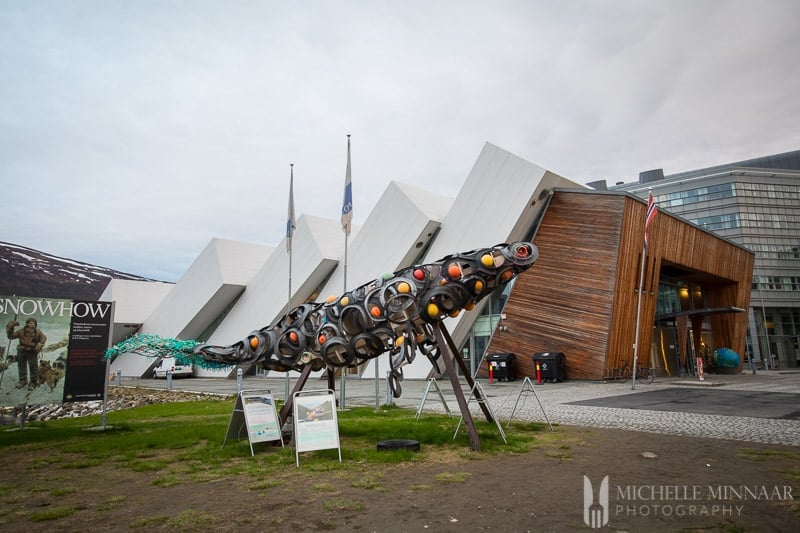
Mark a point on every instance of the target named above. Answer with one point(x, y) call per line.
point(316, 426)
point(52, 350)
point(255, 412)
point(89, 337)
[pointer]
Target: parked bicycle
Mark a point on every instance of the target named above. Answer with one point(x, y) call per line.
point(644, 374)
point(621, 373)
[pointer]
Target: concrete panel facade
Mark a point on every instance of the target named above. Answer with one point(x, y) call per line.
point(134, 302)
point(499, 202)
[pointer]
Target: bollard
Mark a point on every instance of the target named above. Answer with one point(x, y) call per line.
point(538, 373)
point(388, 388)
point(169, 379)
point(119, 377)
point(491, 372)
point(238, 380)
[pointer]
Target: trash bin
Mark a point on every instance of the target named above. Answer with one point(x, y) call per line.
point(502, 365)
point(552, 365)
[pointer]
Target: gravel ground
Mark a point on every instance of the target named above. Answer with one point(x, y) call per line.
point(118, 398)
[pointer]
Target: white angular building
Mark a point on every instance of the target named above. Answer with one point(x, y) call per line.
point(234, 288)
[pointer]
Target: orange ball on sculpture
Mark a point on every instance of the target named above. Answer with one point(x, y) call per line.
point(454, 271)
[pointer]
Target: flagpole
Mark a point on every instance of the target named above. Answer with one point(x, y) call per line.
point(648, 218)
point(290, 226)
point(638, 316)
point(347, 217)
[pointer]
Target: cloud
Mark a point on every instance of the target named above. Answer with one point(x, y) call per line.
point(131, 133)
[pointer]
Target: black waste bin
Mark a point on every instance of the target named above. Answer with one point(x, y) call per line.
point(552, 365)
point(502, 365)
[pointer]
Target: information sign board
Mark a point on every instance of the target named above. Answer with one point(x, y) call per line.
point(255, 412)
point(316, 426)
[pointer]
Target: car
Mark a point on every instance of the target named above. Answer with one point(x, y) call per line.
point(168, 364)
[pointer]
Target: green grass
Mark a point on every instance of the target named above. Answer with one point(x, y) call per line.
point(182, 442)
point(53, 513)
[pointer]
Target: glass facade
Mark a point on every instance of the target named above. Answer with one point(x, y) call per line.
point(756, 205)
point(474, 349)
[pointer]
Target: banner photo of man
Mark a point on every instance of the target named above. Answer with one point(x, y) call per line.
point(33, 353)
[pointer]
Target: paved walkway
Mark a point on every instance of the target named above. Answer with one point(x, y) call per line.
point(762, 408)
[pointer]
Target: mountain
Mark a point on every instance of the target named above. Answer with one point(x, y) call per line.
point(28, 272)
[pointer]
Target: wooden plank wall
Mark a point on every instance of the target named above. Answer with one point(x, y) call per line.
point(728, 268)
point(581, 296)
point(563, 303)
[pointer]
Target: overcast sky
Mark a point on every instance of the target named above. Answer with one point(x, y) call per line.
point(133, 132)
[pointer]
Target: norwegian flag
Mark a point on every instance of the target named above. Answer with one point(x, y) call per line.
point(652, 211)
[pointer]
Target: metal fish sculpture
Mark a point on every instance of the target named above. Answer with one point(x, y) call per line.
point(393, 314)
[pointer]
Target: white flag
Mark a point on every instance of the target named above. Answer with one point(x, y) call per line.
point(290, 225)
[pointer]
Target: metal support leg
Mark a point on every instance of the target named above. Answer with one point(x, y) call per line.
point(287, 407)
point(449, 355)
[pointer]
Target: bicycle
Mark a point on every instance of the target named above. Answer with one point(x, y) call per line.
point(621, 373)
point(646, 374)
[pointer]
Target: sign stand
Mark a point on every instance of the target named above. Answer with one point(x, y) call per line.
point(527, 387)
point(255, 411)
point(433, 382)
point(316, 426)
point(481, 399)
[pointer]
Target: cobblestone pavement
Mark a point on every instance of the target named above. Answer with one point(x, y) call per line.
point(555, 402)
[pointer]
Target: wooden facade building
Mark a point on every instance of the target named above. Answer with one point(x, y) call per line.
point(582, 295)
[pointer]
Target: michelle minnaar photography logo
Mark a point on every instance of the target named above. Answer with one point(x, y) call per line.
point(605, 502)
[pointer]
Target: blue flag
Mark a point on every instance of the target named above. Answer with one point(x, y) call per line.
point(347, 204)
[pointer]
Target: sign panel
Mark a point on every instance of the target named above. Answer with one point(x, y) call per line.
point(316, 426)
point(40, 342)
point(89, 336)
point(261, 417)
point(254, 412)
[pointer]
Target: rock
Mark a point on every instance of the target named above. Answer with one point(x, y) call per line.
point(119, 398)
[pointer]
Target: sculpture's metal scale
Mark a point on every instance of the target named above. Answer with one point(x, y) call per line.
point(396, 313)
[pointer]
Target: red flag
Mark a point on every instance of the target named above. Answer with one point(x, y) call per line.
point(652, 211)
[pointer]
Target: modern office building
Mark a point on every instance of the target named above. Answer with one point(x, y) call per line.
point(582, 296)
point(754, 203)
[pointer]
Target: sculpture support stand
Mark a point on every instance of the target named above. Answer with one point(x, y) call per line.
point(448, 352)
point(286, 410)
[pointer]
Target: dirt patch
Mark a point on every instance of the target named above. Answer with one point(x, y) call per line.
point(541, 490)
point(656, 483)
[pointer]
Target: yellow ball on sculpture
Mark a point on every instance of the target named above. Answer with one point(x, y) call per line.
point(433, 310)
point(487, 260)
